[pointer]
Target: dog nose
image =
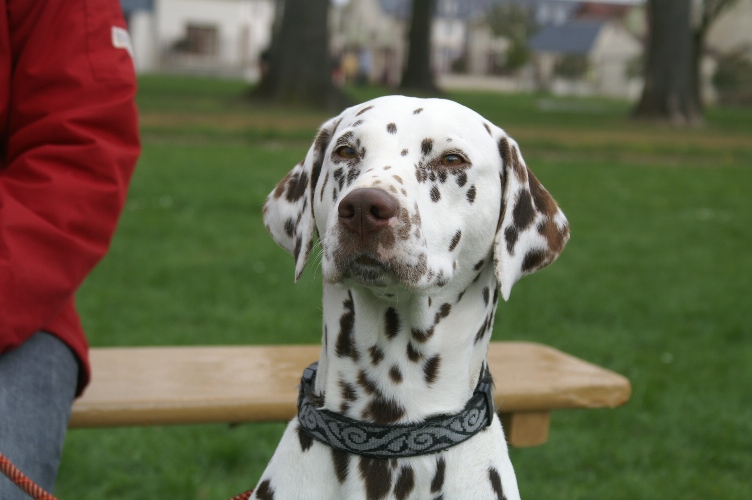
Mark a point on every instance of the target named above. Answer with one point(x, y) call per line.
point(367, 210)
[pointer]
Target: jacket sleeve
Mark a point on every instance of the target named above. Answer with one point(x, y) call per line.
point(68, 152)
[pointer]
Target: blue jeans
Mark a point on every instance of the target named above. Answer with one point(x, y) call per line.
point(37, 387)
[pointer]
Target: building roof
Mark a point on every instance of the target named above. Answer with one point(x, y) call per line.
point(456, 9)
point(574, 37)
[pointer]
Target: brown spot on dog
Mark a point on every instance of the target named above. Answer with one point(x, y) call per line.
point(321, 143)
point(505, 152)
point(426, 146)
point(520, 170)
point(296, 186)
point(403, 152)
point(341, 461)
point(397, 178)
point(280, 189)
point(366, 383)
point(438, 479)
point(471, 194)
point(364, 110)
point(523, 212)
point(555, 237)
point(421, 336)
point(405, 483)
point(413, 354)
point(322, 140)
point(265, 490)
point(376, 354)
point(435, 194)
point(535, 259)
point(391, 128)
point(461, 179)
point(376, 476)
point(345, 343)
point(443, 312)
point(493, 476)
point(391, 323)
point(455, 240)
point(431, 369)
point(544, 202)
point(298, 246)
point(290, 227)
point(481, 332)
point(488, 129)
point(383, 411)
point(347, 391)
point(510, 236)
point(417, 111)
point(306, 441)
point(323, 186)
point(395, 374)
point(486, 293)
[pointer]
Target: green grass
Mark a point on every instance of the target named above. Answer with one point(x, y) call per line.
point(655, 284)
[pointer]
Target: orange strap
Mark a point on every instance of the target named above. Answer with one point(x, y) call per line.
point(22, 481)
point(37, 493)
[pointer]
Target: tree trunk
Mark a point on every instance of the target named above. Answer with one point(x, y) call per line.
point(669, 93)
point(418, 75)
point(299, 71)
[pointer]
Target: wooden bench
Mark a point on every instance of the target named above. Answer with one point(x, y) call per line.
point(190, 385)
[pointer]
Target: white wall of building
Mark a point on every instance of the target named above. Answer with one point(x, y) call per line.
point(243, 31)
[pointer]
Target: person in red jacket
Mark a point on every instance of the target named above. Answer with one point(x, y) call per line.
point(68, 145)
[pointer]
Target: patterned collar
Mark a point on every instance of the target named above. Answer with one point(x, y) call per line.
point(432, 435)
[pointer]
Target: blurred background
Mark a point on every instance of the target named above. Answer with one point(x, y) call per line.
point(636, 115)
point(562, 46)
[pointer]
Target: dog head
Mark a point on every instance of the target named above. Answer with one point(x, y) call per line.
point(418, 194)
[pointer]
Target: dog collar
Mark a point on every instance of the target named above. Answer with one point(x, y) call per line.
point(431, 435)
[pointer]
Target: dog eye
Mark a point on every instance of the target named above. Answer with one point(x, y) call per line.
point(452, 160)
point(346, 152)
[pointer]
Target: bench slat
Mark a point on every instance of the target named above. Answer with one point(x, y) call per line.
point(188, 385)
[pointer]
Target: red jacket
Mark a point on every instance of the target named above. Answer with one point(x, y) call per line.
point(68, 146)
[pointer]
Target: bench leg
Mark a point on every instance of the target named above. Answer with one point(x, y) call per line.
point(525, 429)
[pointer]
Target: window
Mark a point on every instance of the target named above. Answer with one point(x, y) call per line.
point(202, 39)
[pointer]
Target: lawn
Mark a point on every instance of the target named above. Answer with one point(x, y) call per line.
point(655, 284)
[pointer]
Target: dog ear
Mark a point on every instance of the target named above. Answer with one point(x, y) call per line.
point(532, 230)
point(288, 210)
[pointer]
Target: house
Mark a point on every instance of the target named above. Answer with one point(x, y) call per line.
point(378, 29)
point(587, 57)
point(730, 33)
point(225, 37)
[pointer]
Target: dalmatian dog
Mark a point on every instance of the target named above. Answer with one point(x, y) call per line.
point(425, 213)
